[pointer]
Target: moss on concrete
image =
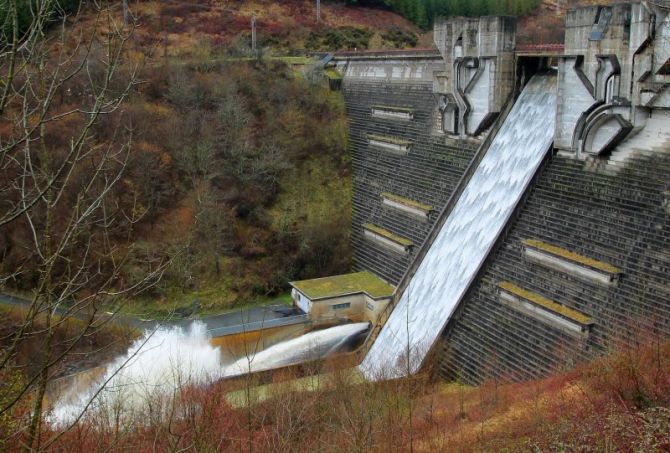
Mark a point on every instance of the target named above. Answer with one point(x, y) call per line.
point(387, 234)
point(407, 201)
point(333, 74)
point(393, 109)
point(339, 285)
point(572, 256)
point(550, 305)
point(387, 139)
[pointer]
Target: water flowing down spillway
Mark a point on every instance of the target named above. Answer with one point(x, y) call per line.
point(467, 235)
point(311, 346)
point(161, 363)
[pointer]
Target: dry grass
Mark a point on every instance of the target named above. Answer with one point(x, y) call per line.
point(204, 28)
point(617, 403)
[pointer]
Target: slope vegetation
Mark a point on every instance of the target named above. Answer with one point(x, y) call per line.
point(618, 403)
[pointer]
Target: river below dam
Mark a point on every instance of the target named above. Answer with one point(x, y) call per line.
point(166, 359)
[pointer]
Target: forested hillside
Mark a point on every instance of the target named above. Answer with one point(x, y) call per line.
point(237, 171)
point(424, 12)
point(236, 177)
point(230, 171)
point(57, 9)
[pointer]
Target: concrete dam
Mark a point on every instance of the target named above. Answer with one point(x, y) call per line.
point(468, 233)
point(516, 197)
point(511, 219)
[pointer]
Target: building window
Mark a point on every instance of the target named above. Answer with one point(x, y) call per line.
point(340, 306)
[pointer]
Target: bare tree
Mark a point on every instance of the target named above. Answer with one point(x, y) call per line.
point(58, 183)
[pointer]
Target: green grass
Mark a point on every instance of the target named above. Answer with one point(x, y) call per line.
point(333, 74)
point(283, 299)
point(214, 299)
point(293, 60)
point(289, 60)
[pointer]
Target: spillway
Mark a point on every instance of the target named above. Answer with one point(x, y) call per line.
point(467, 235)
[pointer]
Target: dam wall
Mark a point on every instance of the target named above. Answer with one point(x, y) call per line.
point(416, 120)
point(584, 267)
point(404, 167)
point(588, 218)
point(580, 262)
point(470, 230)
point(616, 69)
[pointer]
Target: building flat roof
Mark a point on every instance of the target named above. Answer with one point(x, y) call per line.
point(341, 285)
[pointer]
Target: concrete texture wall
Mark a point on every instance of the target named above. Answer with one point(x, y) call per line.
point(361, 308)
point(427, 173)
point(574, 98)
point(603, 196)
point(621, 219)
point(478, 76)
point(616, 70)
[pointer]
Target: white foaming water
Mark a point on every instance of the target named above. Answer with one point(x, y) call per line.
point(142, 382)
point(307, 347)
point(467, 235)
point(155, 366)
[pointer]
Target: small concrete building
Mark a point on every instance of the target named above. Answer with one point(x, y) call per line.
point(360, 296)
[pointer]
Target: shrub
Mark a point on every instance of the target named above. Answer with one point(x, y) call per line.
point(25, 15)
point(399, 38)
point(339, 38)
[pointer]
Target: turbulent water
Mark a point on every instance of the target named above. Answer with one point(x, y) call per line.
point(155, 365)
point(467, 235)
point(162, 362)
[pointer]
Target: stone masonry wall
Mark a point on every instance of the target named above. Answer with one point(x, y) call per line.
point(621, 219)
point(427, 173)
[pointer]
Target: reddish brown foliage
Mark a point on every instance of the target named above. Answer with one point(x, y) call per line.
point(595, 407)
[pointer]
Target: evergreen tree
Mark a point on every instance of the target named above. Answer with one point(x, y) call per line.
point(424, 12)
